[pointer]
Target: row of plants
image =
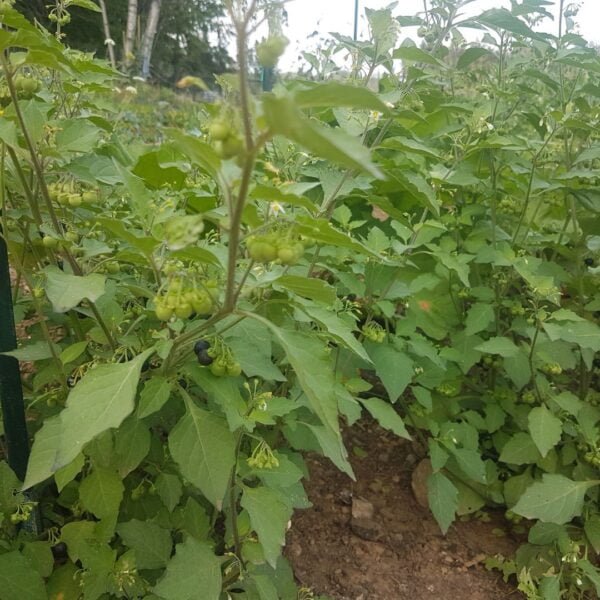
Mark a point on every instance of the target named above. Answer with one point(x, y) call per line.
point(209, 301)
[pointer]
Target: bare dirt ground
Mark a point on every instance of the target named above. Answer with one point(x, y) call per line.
point(371, 540)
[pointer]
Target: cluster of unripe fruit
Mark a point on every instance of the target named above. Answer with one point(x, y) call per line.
point(218, 357)
point(262, 457)
point(65, 194)
point(25, 86)
point(374, 332)
point(183, 297)
point(226, 141)
point(282, 245)
point(51, 242)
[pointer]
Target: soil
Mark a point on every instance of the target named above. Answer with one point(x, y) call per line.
point(372, 540)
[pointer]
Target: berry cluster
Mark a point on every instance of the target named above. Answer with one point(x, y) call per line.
point(227, 142)
point(282, 244)
point(450, 389)
point(374, 332)
point(22, 513)
point(183, 297)
point(552, 368)
point(65, 194)
point(218, 357)
point(269, 51)
point(593, 457)
point(262, 457)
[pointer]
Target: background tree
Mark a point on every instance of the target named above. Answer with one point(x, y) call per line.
point(190, 37)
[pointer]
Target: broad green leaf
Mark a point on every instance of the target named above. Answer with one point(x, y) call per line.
point(336, 328)
point(335, 93)
point(9, 486)
point(584, 333)
point(520, 450)
point(39, 554)
point(591, 572)
point(77, 135)
point(89, 4)
point(470, 463)
point(64, 476)
point(471, 55)
point(43, 452)
point(101, 493)
point(67, 291)
point(194, 572)
point(269, 517)
point(169, 489)
point(386, 416)
point(480, 315)
point(555, 499)
point(132, 444)
point(102, 400)
point(415, 54)
point(73, 352)
point(151, 543)
point(503, 346)
point(394, 368)
point(199, 152)
point(545, 429)
point(312, 366)
point(285, 118)
point(18, 580)
point(204, 448)
point(592, 531)
point(154, 396)
point(332, 448)
point(443, 499)
point(501, 19)
point(314, 289)
point(32, 352)
point(8, 133)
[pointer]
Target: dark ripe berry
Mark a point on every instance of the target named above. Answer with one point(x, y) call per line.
point(204, 359)
point(589, 262)
point(183, 383)
point(596, 363)
point(200, 346)
point(71, 381)
point(59, 551)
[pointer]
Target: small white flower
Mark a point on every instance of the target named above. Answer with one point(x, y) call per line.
point(138, 78)
point(275, 208)
point(131, 90)
point(109, 42)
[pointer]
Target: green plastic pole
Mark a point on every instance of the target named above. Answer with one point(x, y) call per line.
point(355, 20)
point(268, 79)
point(11, 393)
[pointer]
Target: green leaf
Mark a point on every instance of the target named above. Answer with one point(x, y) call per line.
point(480, 315)
point(471, 55)
point(132, 444)
point(545, 429)
point(204, 448)
point(151, 543)
point(394, 368)
point(284, 118)
point(386, 416)
point(102, 400)
point(314, 289)
point(101, 493)
point(67, 291)
point(77, 135)
point(555, 499)
point(520, 450)
point(18, 580)
point(591, 572)
point(43, 452)
point(503, 346)
point(32, 352)
point(86, 4)
point(415, 54)
point(333, 449)
point(154, 396)
point(73, 352)
point(592, 531)
point(192, 573)
point(443, 499)
point(336, 328)
point(169, 489)
point(64, 476)
point(334, 93)
point(269, 517)
point(199, 152)
point(9, 486)
point(501, 19)
point(470, 463)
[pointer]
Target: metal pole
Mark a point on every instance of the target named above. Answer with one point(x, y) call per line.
point(11, 393)
point(355, 20)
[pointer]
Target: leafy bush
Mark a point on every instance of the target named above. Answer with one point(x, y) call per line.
point(205, 305)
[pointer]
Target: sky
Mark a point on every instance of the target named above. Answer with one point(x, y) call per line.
point(308, 16)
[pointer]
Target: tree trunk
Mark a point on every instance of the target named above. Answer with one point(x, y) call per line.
point(149, 35)
point(110, 44)
point(132, 17)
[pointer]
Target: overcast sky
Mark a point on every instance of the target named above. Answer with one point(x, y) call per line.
point(307, 16)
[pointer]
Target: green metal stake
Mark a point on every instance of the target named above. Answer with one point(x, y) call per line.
point(268, 79)
point(11, 393)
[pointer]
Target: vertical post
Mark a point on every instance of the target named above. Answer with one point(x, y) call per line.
point(268, 78)
point(356, 19)
point(11, 394)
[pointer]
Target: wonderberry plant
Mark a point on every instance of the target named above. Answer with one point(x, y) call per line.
point(211, 292)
